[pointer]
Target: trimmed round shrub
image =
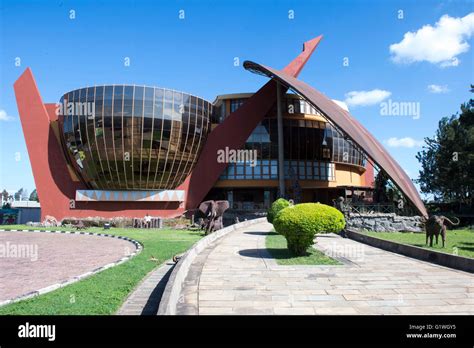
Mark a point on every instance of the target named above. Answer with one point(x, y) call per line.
point(300, 223)
point(278, 205)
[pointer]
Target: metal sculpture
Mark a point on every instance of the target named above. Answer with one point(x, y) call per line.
point(352, 128)
point(213, 212)
point(436, 226)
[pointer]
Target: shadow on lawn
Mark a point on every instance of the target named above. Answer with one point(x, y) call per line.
point(466, 248)
point(447, 250)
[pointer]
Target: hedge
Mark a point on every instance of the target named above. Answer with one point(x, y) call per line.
point(278, 205)
point(300, 223)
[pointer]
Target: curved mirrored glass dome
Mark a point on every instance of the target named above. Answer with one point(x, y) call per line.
point(124, 137)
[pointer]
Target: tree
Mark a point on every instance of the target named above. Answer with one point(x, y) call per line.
point(24, 195)
point(18, 194)
point(447, 159)
point(380, 187)
point(5, 195)
point(385, 191)
point(34, 196)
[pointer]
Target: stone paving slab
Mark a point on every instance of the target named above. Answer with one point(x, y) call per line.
point(237, 275)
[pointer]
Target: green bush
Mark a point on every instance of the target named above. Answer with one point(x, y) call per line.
point(300, 223)
point(278, 205)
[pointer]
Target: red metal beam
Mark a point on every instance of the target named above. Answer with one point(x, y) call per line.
point(351, 127)
point(235, 130)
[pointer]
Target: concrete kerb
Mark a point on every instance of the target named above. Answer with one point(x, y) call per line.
point(170, 299)
point(72, 280)
point(443, 259)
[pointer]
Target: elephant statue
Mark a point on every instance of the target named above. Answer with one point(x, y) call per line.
point(436, 226)
point(213, 212)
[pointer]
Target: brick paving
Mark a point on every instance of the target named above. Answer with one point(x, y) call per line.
point(59, 257)
point(238, 276)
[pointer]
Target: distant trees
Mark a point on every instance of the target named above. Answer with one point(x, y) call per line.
point(5, 195)
point(34, 196)
point(447, 159)
point(381, 187)
point(20, 195)
point(386, 192)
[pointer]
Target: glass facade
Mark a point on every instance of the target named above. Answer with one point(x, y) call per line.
point(235, 104)
point(268, 169)
point(303, 152)
point(343, 150)
point(291, 104)
point(311, 147)
point(127, 137)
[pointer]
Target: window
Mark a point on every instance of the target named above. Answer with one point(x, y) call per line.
point(235, 104)
point(128, 101)
point(138, 102)
point(149, 94)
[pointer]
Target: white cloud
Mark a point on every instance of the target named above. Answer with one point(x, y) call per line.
point(403, 142)
point(341, 104)
point(365, 98)
point(439, 44)
point(4, 116)
point(438, 89)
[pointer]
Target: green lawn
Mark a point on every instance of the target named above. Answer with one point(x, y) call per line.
point(103, 293)
point(457, 241)
point(276, 245)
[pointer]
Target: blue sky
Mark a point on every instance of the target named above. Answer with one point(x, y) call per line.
point(196, 55)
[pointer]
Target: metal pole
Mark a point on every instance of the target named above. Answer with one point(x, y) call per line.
point(281, 172)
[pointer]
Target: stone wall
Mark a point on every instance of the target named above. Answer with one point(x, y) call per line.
point(381, 222)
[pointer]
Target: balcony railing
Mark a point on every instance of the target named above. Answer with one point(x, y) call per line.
point(362, 208)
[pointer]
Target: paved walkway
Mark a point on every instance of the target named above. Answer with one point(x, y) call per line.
point(147, 295)
point(238, 276)
point(31, 261)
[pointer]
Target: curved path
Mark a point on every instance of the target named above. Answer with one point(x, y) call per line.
point(30, 261)
point(236, 275)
